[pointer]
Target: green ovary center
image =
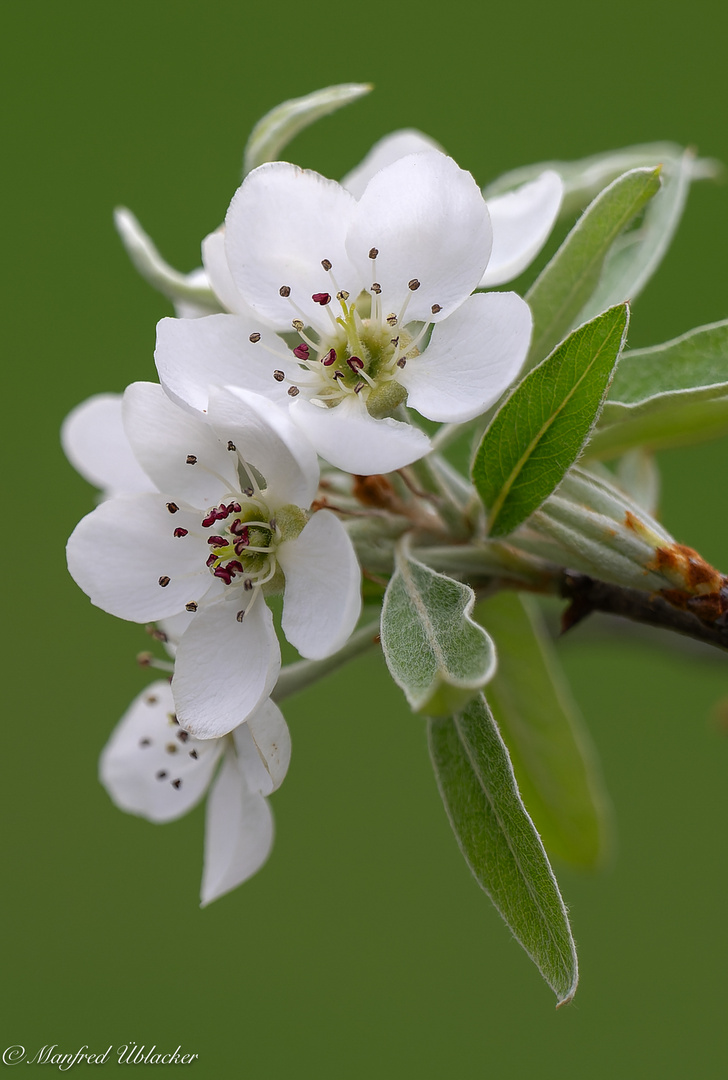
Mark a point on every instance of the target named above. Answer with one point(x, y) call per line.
point(362, 356)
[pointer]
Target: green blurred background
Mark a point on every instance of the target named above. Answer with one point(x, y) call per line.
point(363, 949)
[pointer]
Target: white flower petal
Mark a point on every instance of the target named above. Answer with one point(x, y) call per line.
point(396, 145)
point(174, 626)
point(150, 766)
point(193, 354)
point(267, 438)
point(322, 599)
point(264, 748)
point(238, 833)
point(472, 358)
point(120, 552)
point(190, 309)
point(428, 220)
point(281, 223)
point(165, 439)
point(349, 438)
point(224, 669)
point(522, 221)
point(95, 443)
point(218, 273)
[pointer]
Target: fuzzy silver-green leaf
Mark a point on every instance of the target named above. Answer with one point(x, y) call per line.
point(499, 841)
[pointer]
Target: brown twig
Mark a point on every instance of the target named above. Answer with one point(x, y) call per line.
point(587, 595)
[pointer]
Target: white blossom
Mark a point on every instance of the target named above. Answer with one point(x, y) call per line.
point(227, 523)
point(153, 767)
point(378, 290)
point(521, 219)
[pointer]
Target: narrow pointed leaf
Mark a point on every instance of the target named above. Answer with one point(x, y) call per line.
point(147, 260)
point(565, 286)
point(499, 842)
point(586, 177)
point(435, 651)
point(668, 423)
point(692, 367)
point(552, 754)
point(636, 254)
point(540, 430)
point(278, 127)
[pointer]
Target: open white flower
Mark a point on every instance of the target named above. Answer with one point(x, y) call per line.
point(94, 441)
point(227, 523)
point(152, 767)
point(379, 292)
point(521, 219)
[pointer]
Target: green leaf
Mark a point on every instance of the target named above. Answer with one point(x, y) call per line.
point(540, 430)
point(553, 757)
point(276, 129)
point(636, 254)
point(434, 650)
point(693, 367)
point(147, 260)
point(669, 423)
point(566, 284)
point(585, 178)
point(499, 843)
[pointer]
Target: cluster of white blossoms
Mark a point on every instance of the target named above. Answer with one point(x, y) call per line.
point(341, 309)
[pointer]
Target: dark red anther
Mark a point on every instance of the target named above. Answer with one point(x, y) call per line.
point(329, 359)
point(222, 572)
point(211, 560)
point(234, 507)
point(355, 363)
point(216, 541)
point(181, 532)
point(209, 520)
point(322, 298)
point(234, 566)
point(301, 351)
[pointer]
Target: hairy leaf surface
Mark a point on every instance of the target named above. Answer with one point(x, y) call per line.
point(278, 127)
point(567, 283)
point(435, 651)
point(540, 430)
point(499, 842)
point(553, 757)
